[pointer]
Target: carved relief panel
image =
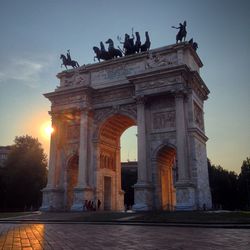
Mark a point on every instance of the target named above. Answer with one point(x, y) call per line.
point(68, 79)
point(164, 119)
point(73, 132)
point(198, 116)
point(157, 60)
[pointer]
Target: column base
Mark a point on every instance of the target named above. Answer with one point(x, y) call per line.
point(143, 197)
point(185, 196)
point(120, 201)
point(53, 199)
point(80, 195)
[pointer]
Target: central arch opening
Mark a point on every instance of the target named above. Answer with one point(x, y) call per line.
point(110, 191)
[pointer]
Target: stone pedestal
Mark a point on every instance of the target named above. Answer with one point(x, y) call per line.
point(143, 197)
point(185, 196)
point(53, 199)
point(80, 195)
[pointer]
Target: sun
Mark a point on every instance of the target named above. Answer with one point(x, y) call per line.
point(46, 129)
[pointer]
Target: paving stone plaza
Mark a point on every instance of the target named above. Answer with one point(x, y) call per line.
point(97, 237)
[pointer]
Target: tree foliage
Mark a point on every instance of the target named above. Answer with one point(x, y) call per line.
point(228, 190)
point(223, 185)
point(24, 175)
point(244, 185)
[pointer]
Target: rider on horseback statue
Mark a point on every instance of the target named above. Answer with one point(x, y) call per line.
point(67, 61)
point(182, 32)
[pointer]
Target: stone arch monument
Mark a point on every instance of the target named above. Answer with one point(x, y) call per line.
point(161, 92)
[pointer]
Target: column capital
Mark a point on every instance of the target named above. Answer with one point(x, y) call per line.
point(84, 110)
point(140, 99)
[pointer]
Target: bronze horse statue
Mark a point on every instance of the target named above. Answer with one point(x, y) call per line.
point(66, 62)
point(146, 45)
point(137, 42)
point(114, 53)
point(129, 47)
point(101, 54)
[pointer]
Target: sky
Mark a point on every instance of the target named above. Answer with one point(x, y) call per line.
point(34, 33)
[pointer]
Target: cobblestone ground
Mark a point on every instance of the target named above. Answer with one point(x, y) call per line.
point(97, 237)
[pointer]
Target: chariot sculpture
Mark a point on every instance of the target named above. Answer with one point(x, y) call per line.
point(131, 45)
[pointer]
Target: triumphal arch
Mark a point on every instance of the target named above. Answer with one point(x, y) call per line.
point(160, 91)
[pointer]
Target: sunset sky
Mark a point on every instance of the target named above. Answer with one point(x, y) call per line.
point(35, 33)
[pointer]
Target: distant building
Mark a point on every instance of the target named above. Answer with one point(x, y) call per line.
point(129, 179)
point(4, 152)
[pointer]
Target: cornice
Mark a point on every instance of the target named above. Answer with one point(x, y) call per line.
point(66, 92)
point(197, 132)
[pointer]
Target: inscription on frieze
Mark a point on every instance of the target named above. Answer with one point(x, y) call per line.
point(113, 95)
point(118, 73)
point(69, 99)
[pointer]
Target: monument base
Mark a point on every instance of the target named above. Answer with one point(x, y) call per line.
point(52, 199)
point(185, 196)
point(143, 197)
point(81, 194)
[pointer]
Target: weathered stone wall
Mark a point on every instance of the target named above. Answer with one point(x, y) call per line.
point(162, 93)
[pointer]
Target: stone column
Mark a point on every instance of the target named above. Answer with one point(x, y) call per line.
point(141, 136)
point(142, 189)
point(185, 193)
point(52, 153)
point(53, 195)
point(83, 150)
point(82, 192)
point(181, 138)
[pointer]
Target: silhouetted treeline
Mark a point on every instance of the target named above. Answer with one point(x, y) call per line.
point(23, 176)
point(229, 190)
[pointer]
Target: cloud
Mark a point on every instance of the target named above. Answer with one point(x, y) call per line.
point(26, 71)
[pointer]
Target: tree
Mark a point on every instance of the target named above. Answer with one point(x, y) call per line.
point(25, 174)
point(244, 184)
point(224, 187)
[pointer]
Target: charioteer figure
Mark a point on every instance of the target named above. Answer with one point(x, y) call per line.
point(128, 45)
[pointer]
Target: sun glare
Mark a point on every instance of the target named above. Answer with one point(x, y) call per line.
point(46, 130)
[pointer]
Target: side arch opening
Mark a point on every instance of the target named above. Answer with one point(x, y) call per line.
point(166, 169)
